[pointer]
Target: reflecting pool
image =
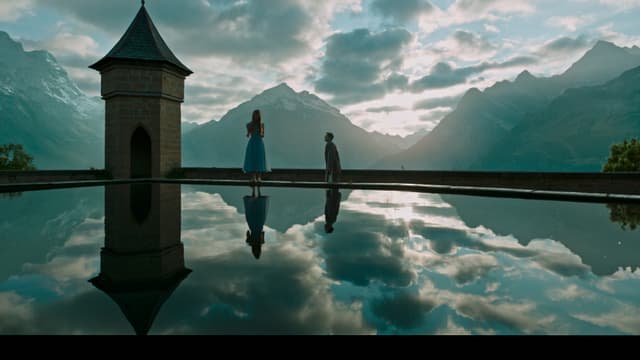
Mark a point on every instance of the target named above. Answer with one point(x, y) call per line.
point(171, 259)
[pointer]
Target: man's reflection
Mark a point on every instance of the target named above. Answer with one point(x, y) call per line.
point(142, 262)
point(331, 208)
point(255, 211)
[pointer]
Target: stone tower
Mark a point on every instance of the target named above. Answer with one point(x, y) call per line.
point(143, 87)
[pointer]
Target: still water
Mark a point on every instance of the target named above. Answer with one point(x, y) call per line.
point(165, 259)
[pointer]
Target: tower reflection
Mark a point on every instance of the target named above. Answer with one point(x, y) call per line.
point(142, 262)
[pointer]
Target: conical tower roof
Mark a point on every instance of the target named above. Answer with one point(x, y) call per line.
point(142, 42)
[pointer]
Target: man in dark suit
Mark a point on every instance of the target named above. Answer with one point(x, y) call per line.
point(331, 159)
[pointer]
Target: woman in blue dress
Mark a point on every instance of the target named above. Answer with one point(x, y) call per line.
point(255, 158)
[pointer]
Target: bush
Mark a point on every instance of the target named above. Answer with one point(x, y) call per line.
point(13, 157)
point(624, 157)
point(627, 215)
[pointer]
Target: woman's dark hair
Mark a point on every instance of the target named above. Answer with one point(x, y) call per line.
point(256, 120)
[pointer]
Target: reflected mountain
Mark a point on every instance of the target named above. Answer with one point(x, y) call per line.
point(585, 229)
point(35, 222)
point(397, 263)
point(142, 262)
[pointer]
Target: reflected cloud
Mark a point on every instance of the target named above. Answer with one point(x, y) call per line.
point(619, 318)
point(367, 248)
point(15, 311)
point(285, 292)
point(469, 268)
point(515, 316)
point(566, 264)
point(397, 263)
point(403, 311)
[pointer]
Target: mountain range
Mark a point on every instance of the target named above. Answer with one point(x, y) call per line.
point(488, 126)
point(295, 124)
point(42, 109)
point(565, 122)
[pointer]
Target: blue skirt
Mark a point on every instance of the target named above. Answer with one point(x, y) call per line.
point(255, 158)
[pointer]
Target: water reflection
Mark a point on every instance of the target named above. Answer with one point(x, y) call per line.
point(397, 263)
point(255, 210)
point(331, 208)
point(142, 261)
point(627, 215)
point(585, 229)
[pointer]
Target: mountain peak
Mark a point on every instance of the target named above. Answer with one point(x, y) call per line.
point(281, 89)
point(602, 63)
point(604, 45)
point(525, 76)
point(7, 43)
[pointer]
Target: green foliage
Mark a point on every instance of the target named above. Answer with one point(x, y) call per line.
point(627, 215)
point(13, 157)
point(624, 157)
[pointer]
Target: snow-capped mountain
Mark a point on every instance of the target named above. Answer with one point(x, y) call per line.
point(295, 124)
point(41, 108)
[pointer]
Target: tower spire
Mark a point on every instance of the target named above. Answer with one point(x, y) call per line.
point(143, 3)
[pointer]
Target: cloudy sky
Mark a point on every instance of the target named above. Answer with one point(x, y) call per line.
point(390, 65)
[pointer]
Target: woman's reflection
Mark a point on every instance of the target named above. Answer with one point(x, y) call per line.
point(331, 208)
point(255, 210)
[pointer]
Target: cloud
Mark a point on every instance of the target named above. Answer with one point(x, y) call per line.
point(15, 311)
point(366, 248)
point(434, 103)
point(570, 23)
point(361, 65)
point(11, 10)
point(491, 28)
point(490, 8)
point(517, 316)
point(75, 53)
point(403, 311)
point(606, 32)
point(564, 46)
point(620, 318)
point(471, 11)
point(621, 5)
point(447, 241)
point(565, 264)
point(465, 45)
point(443, 75)
point(469, 268)
point(434, 116)
point(251, 31)
point(239, 297)
point(385, 109)
point(402, 11)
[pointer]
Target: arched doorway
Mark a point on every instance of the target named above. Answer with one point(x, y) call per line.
point(140, 154)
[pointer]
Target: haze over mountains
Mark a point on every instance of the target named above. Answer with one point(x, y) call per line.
point(575, 131)
point(295, 124)
point(565, 122)
point(41, 108)
point(476, 135)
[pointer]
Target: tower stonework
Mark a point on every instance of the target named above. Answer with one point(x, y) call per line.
point(143, 88)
